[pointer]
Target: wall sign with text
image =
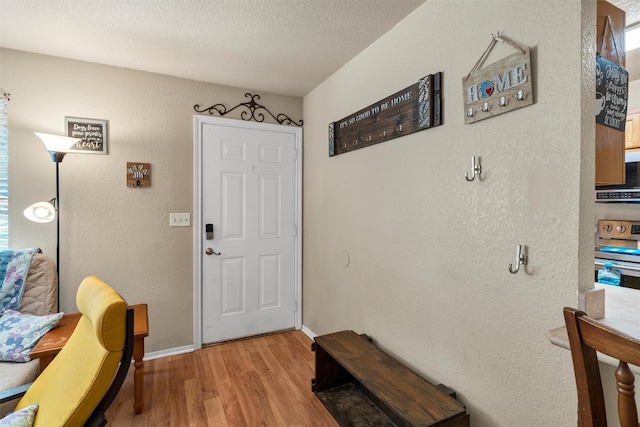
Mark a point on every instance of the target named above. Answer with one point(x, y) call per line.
point(612, 94)
point(92, 132)
point(410, 110)
point(499, 88)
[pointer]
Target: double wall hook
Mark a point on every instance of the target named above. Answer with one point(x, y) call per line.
point(476, 169)
point(521, 259)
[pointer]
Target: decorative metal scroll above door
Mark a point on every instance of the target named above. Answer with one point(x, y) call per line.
point(251, 107)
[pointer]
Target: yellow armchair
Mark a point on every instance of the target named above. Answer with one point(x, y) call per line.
point(74, 390)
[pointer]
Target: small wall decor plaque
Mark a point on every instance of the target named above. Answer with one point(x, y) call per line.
point(92, 132)
point(499, 88)
point(410, 110)
point(138, 174)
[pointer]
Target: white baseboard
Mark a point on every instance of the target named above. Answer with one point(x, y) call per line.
point(168, 352)
point(308, 332)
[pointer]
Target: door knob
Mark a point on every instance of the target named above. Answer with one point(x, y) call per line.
point(210, 251)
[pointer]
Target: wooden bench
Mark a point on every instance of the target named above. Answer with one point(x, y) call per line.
point(361, 385)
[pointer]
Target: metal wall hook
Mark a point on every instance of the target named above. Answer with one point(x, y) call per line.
point(476, 169)
point(521, 259)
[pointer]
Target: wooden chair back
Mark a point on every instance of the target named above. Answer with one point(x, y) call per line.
point(586, 337)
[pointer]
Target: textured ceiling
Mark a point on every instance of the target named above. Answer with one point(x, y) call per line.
point(631, 7)
point(279, 46)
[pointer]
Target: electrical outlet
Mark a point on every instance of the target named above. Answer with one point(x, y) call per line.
point(180, 220)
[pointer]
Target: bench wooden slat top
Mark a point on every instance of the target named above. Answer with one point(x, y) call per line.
point(417, 400)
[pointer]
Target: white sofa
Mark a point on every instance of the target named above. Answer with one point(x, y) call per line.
point(40, 297)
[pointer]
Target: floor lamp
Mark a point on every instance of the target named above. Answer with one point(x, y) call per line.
point(58, 147)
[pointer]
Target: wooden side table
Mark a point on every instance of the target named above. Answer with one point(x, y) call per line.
point(53, 341)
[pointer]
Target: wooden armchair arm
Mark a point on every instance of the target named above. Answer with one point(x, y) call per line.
point(14, 393)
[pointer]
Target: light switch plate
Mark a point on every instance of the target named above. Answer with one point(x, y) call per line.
point(180, 220)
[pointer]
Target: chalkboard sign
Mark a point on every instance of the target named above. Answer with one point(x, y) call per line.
point(612, 93)
point(93, 134)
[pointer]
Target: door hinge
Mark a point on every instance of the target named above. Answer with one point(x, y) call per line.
point(295, 230)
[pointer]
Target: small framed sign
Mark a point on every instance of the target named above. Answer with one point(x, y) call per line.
point(92, 132)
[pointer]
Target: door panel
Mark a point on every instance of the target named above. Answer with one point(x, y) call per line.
point(269, 281)
point(232, 204)
point(232, 286)
point(270, 218)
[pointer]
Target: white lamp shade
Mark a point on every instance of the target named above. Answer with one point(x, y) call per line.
point(41, 212)
point(57, 143)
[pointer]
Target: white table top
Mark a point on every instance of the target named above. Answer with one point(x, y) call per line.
point(622, 312)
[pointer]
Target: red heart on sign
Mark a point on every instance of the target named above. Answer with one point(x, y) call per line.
point(488, 91)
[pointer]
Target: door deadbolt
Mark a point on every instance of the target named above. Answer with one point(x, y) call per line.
point(210, 251)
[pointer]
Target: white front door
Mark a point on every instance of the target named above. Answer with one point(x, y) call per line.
point(249, 267)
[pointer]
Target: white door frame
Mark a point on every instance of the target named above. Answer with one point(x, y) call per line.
point(198, 229)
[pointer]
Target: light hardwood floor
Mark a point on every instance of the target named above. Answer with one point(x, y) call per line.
point(264, 381)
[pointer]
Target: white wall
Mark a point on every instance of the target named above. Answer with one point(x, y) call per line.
point(429, 251)
point(120, 234)
point(634, 95)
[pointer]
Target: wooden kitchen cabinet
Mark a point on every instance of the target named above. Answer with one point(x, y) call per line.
point(610, 143)
point(632, 130)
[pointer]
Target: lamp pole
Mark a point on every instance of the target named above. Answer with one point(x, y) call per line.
point(56, 157)
point(57, 206)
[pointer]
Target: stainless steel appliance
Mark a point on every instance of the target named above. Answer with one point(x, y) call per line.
point(618, 242)
point(629, 192)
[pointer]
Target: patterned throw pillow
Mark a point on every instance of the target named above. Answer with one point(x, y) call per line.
point(19, 333)
point(14, 267)
point(22, 418)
